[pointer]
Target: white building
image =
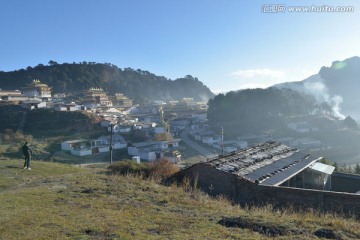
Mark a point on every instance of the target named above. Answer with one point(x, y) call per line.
point(118, 141)
point(84, 147)
point(230, 145)
point(69, 107)
point(145, 150)
point(80, 147)
point(211, 139)
point(117, 128)
point(33, 105)
point(153, 150)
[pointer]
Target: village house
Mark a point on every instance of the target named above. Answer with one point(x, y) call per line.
point(118, 141)
point(85, 147)
point(58, 98)
point(142, 125)
point(211, 139)
point(68, 107)
point(280, 175)
point(198, 127)
point(179, 125)
point(152, 118)
point(112, 111)
point(198, 135)
point(153, 150)
point(187, 107)
point(230, 145)
point(19, 98)
point(119, 128)
point(10, 93)
point(146, 151)
point(31, 105)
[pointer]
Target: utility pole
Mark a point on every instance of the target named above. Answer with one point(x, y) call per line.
point(111, 135)
point(222, 140)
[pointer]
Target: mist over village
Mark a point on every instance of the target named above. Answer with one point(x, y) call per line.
point(110, 130)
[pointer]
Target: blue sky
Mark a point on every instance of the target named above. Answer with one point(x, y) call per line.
point(226, 44)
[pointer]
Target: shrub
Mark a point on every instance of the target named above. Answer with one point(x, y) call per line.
point(128, 166)
point(158, 170)
point(162, 169)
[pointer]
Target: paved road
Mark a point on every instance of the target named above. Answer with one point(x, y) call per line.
point(197, 147)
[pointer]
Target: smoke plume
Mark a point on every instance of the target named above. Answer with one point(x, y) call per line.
point(321, 93)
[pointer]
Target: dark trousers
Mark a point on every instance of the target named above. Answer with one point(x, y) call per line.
point(27, 161)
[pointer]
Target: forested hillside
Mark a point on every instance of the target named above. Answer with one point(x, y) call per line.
point(136, 84)
point(45, 122)
point(255, 110)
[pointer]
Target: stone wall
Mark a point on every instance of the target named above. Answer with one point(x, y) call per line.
point(343, 182)
point(242, 191)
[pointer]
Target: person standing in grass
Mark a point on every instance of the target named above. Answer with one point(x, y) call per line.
point(27, 154)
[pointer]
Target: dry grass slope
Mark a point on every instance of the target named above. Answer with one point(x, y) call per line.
point(55, 201)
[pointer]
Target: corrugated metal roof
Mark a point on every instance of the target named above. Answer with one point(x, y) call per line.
point(271, 163)
point(286, 174)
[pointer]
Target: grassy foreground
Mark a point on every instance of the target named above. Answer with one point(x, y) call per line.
point(54, 201)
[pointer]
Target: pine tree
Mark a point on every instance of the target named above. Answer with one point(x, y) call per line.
point(357, 168)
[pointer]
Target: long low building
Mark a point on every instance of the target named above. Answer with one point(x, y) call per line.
point(277, 174)
point(85, 147)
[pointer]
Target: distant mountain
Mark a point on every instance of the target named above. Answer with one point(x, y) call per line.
point(136, 84)
point(338, 85)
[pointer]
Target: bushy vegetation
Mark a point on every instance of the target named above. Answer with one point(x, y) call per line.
point(10, 116)
point(158, 170)
point(344, 169)
point(11, 142)
point(130, 167)
point(55, 120)
point(46, 122)
point(347, 169)
point(162, 169)
point(350, 123)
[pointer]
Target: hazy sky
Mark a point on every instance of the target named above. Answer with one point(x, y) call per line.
point(227, 44)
